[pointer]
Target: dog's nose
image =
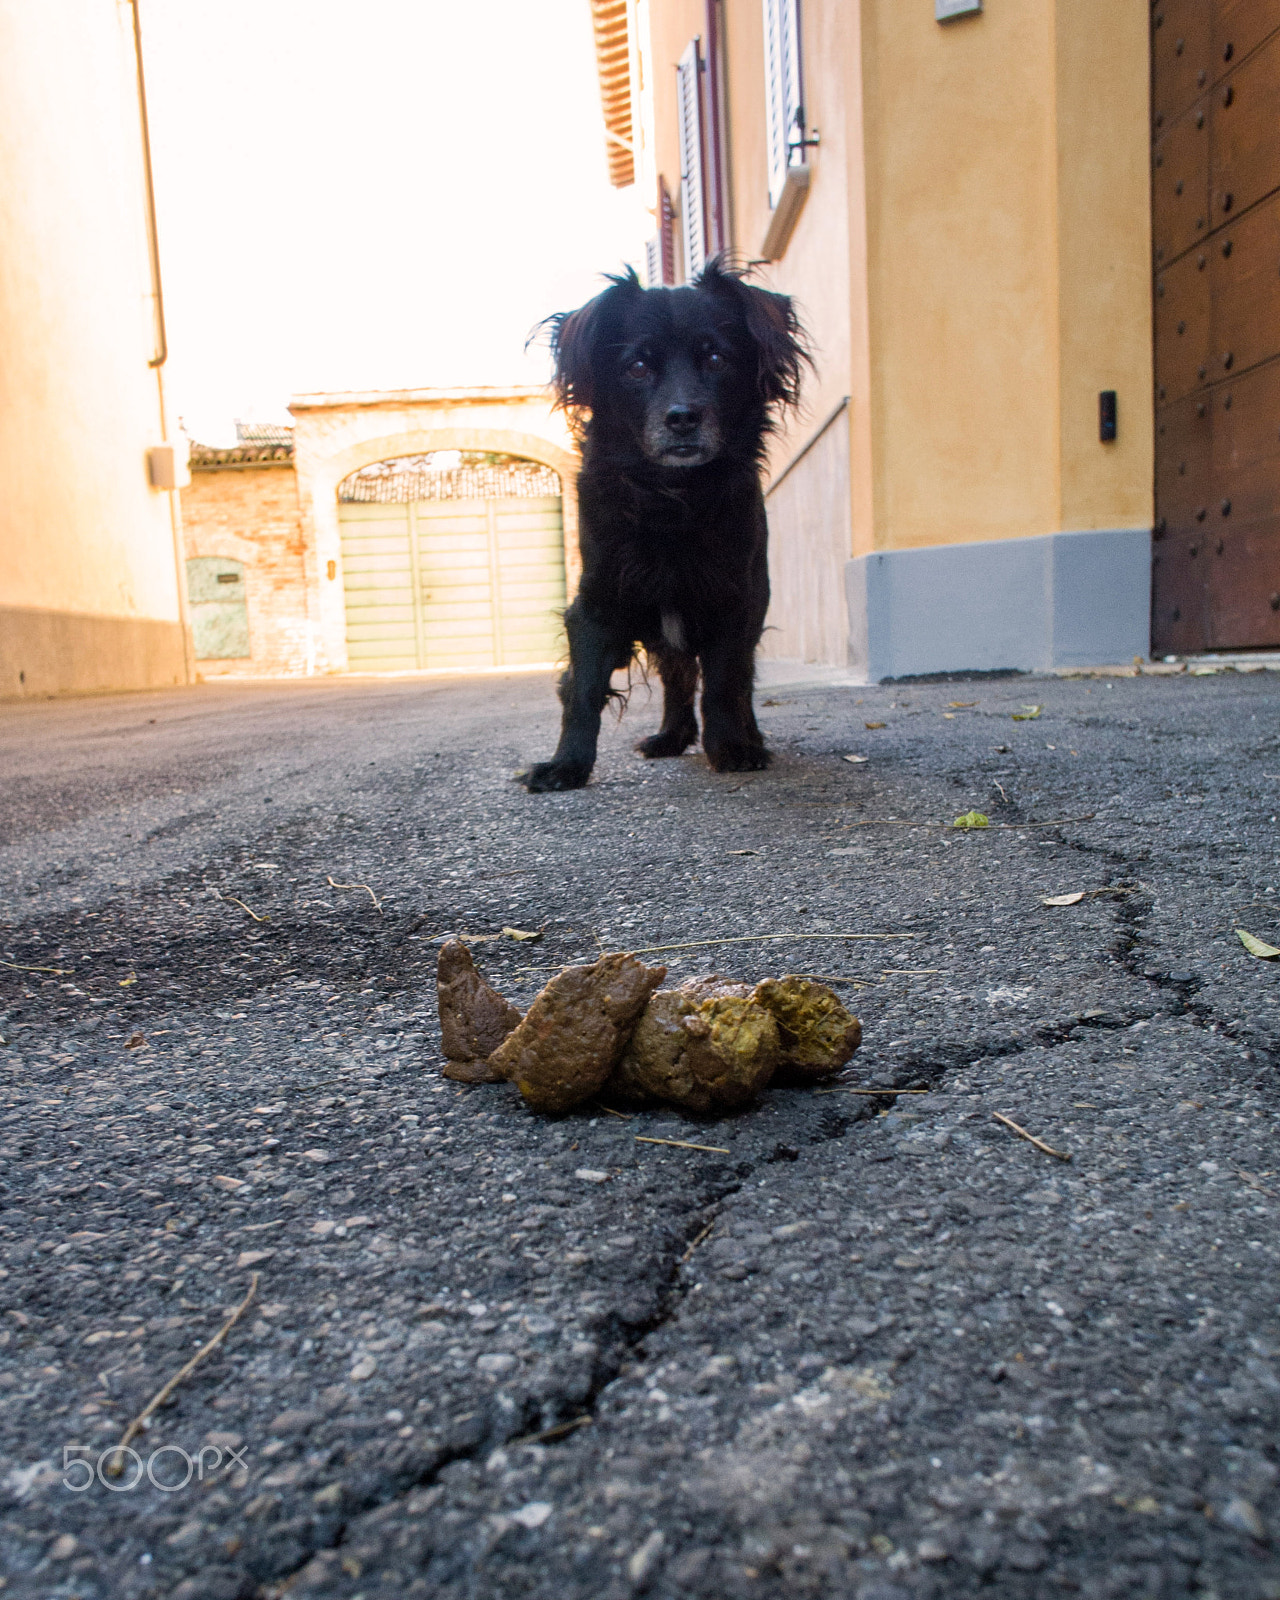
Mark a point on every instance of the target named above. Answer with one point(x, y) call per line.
point(683, 419)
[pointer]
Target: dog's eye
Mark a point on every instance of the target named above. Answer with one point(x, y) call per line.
point(714, 361)
point(639, 368)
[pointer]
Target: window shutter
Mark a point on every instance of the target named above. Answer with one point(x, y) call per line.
point(784, 113)
point(666, 232)
point(693, 225)
point(660, 251)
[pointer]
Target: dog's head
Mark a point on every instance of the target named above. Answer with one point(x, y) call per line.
point(683, 376)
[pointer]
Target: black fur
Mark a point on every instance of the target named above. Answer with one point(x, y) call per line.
point(673, 393)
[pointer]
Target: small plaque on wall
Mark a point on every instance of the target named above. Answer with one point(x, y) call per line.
point(948, 10)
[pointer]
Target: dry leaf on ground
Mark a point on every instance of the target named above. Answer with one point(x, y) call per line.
point(1072, 899)
point(1257, 947)
point(856, 759)
point(523, 934)
point(875, 724)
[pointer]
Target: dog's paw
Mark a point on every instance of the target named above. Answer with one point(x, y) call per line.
point(548, 776)
point(659, 745)
point(739, 758)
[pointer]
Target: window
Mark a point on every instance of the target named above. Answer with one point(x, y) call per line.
point(784, 102)
point(693, 223)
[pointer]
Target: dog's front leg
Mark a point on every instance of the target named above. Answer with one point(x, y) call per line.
point(595, 653)
point(679, 674)
point(730, 736)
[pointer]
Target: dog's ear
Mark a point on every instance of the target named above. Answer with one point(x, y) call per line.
point(576, 338)
point(773, 328)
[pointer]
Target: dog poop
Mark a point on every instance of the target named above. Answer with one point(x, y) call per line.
point(710, 1046)
point(575, 1031)
point(706, 1046)
point(474, 1019)
point(818, 1034)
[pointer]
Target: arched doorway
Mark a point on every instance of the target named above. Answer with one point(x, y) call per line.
point(452, 560)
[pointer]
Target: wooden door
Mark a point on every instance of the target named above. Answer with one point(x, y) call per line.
point(453, 583)
point(1216, 246)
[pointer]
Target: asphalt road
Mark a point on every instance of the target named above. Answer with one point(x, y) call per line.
point(860, 1346)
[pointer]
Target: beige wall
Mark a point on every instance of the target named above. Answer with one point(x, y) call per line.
point(250, 513)
point(88, 574)
point(972, 260)
point(814, 509)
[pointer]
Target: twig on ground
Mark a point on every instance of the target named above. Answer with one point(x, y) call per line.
point(681, 1144)
point(827, 977)
point(557, 1432)
point(840, 1089)
point(695, 1242)
point(236, 901)
point(910, 972)
point(1254, 1183)
point(1058, 1155)
point(1013, 827)
point(626, 1116)
point(17, 966)
point(377, 904)
point(158, 1399)
point(756, 938)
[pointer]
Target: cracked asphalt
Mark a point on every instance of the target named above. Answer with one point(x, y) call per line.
point(860, 1345)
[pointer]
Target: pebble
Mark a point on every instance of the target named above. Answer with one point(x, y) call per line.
point(534, 1514)
point(497, 1365)
point(645, 1559)
point(1244, 1518)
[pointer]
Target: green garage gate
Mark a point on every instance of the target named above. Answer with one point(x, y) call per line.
point(459, 568)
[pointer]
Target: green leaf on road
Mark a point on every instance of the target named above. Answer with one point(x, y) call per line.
point(971, 819)
point(1257, 947)
point(1027, 714)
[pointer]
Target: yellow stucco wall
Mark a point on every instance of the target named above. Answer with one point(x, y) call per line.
point(1104, 261)
point(961, 160)
point(88, 576)
point(972, 257)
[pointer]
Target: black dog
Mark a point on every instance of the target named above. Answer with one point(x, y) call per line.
point(673, 393)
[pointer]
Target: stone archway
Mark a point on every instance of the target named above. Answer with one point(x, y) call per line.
point(338, 434)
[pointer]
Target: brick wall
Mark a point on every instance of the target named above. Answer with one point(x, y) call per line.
point(250, 513)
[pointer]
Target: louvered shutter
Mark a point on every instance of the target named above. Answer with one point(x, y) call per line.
point(653, 263)
point(783, 102)
point(660, 251)
point(666, 232)
point(693, 225)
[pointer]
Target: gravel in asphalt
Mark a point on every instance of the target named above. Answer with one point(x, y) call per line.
point(860, 1345)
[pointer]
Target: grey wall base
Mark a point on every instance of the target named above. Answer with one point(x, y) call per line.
point(1058, 600)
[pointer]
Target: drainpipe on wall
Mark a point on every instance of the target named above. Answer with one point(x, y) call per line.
point(161, 343)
